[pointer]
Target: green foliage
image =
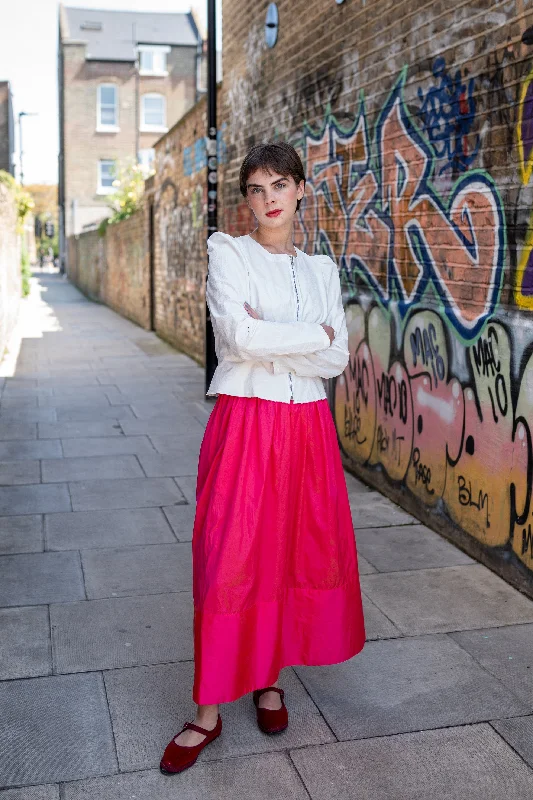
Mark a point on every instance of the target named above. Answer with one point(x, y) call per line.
point(25, 269)
point(129, 189)
point(23, 199)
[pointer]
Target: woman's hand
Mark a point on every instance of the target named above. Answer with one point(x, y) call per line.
point(251, 311)
point(330, 332)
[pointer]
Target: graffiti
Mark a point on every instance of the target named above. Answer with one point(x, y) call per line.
point(195, 155)
point(465, 444)
point(373, 205)
point(524, 133)
point(447, 112)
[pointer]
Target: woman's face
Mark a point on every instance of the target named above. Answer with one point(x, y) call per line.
point(273, 197)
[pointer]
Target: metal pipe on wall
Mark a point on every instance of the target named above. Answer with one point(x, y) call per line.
point(212, 172)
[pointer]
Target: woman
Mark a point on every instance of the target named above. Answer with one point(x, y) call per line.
point(275, 579)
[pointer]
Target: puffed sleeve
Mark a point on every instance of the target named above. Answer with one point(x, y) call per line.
point(247, 338)
point(333, 361)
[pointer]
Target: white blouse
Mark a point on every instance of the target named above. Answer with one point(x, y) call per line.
point(284, 355)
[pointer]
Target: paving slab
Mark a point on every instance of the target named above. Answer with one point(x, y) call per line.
point(49, 792)
point(125, 571)
point(86, 529)
point(181, 520)
point(25, 637)
point(31, 449)
point(27, 415)
point(17, 402)
point(449, 764)
point(187, 485)
point(35, 578)
point(447, 599)
point(355, 486)
point(180, 424)
point(91, 413)
point(69, 738)
point(365, 568)
point(406, 547)
point(149, 705)
point(21, 534)
point(171, 464)
point(251, 777)
point(128, 493)
point(377, 625)
point(103, 446)
point(401, 685)
point(518, 732)
point(507, 653)
point(67, 430)
point(58, 384)
point(85, 468)
point(187, 448)
point(372, 510)
point(17, 473)
point(152, 410)
point(122, 632)
point(34, 499)
point(95, 397)
point(14, 431)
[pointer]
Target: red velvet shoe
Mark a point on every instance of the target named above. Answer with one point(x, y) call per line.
point(177, 757)
point(270, 720)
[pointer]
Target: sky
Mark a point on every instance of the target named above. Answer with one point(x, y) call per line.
point(28, 59)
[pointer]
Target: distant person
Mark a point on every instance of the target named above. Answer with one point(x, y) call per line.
point(275, 577)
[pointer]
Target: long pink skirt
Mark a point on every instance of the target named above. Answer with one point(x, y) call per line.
point(275, 578)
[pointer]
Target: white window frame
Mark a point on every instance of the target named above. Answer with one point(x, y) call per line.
point(147, 170)
point(101, 127)
point(156, 49)
point(104, 190)
point(146, 128)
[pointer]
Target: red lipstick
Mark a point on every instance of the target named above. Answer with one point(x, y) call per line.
point(274, 213)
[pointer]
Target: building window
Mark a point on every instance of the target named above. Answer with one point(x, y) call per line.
point(107, 113)
point(106, 176)
point(153, 113)
point(147, 160)
point(153, 60)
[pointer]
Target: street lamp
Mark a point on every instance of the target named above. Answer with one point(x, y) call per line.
point(23, 114)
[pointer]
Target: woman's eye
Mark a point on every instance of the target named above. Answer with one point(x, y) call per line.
point(280, 185)
point(256, 189)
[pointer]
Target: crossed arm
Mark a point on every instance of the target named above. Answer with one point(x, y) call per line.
point(303, 348)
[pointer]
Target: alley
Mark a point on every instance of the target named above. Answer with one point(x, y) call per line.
point(100, 428)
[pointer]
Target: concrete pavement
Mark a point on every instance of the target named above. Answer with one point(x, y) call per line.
point(100, 426)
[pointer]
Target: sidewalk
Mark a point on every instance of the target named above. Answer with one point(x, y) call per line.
point(100, 427)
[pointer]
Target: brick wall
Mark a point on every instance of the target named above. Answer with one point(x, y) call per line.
point(127, 280)
point(115, 268)
point(10, 275)
point(180, 234)
point(6, 133)
point(414, 122)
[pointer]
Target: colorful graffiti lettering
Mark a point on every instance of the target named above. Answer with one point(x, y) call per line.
point(466, 444)
point(524, 131)
point(374, 207)
point(447, 111)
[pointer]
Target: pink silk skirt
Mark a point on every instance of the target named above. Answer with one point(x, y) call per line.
point(275, 578)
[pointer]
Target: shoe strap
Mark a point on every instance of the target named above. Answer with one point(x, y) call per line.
point(259, 692)
point(191, 726)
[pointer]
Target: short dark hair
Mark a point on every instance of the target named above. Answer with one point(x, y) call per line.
point(280, 157)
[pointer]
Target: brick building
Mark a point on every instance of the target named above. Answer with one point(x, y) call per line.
point(124, 79)
point(7, 129)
